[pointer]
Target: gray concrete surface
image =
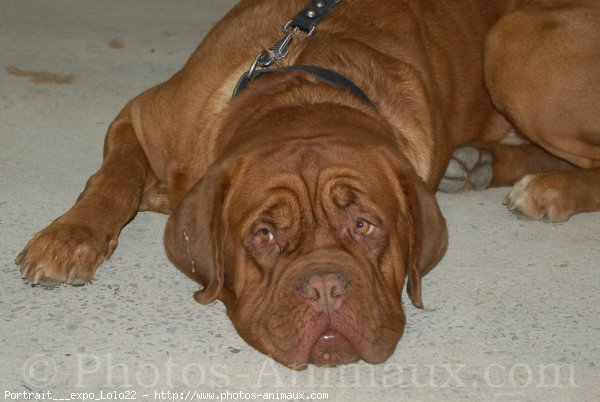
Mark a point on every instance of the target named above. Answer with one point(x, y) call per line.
point(512, 312)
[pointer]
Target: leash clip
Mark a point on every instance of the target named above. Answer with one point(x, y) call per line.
point(277, 52)
point(305, 21)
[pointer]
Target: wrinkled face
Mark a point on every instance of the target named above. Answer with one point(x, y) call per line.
point(309, 252)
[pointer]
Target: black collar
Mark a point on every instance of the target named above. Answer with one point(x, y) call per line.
point(322, 74)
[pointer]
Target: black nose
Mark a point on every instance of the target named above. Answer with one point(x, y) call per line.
point(325, 291)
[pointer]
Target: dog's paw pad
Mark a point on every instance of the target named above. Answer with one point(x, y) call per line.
point(469, 168)
point(481, 176)
point(454, 179)
point(467, 156)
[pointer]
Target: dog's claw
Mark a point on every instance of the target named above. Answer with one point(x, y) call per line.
point(20, 258)
point(63, 253)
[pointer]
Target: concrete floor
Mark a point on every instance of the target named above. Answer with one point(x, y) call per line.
point(512, 312)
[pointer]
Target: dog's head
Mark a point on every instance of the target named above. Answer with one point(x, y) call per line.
point(308, 243)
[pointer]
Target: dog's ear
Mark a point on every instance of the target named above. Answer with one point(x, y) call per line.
point(428, 236)
point(196, 233)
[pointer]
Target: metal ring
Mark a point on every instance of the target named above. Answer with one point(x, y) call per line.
point(252, 68)
point(286, 27)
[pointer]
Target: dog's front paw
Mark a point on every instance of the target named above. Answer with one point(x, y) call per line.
point(64, 252)
point(469, 168)
point(542, 197)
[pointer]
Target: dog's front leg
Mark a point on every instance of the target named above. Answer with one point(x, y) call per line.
point(72, 247)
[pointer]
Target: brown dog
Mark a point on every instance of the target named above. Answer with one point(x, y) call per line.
point(302, 206)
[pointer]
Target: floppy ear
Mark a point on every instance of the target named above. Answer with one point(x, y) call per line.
point(428, 233)
point(195, 234)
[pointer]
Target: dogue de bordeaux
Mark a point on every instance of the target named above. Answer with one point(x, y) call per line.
point(303, 202)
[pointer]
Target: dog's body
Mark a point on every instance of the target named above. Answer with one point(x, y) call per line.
point(301, 207)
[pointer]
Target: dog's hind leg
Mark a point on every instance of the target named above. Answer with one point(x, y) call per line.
point(72, 247)
point(541, 69)
point(556, 196)
point(481, 165)
point(545, 187)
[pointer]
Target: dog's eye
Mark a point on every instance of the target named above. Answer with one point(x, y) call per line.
point(363, 227)
point(264, 235)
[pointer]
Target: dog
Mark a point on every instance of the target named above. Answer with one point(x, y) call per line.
point(305, 201)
